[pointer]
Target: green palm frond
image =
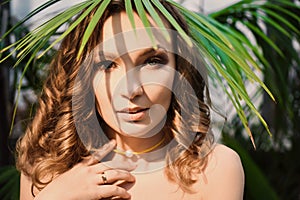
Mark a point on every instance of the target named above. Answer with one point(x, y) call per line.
point(129, 11)
point(30, 15)
point(275, 15)
point(93, 22)
point(172, 21)
point(232, 55)
point(142, 13)
point(156, 17)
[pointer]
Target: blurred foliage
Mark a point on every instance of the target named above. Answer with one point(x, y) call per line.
point(277, 156)
point(10, 78)
point(9, 183)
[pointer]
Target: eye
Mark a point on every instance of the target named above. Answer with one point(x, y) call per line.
point(156, 61)
point(106, 65)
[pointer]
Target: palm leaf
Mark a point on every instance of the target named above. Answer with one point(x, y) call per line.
point(93, 22)
point(282, 10)
point(217, 72)
point(264, 36)
point(142, 13)
point(129, 11)
point(240, 40)
point(231, 75)
point(281, 19)
point(30, 15)
point(156, 18)
point(172, 21)
point(28, 44)
point(233, 62)
point(272, 23)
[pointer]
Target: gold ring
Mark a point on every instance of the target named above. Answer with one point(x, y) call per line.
point(104, 178)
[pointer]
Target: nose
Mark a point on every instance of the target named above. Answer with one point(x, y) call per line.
point(132, 86)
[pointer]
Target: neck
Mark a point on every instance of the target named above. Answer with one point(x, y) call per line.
point(136, 144)
point(127, 143)
point(154, 159)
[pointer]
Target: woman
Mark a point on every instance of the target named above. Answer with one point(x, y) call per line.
point(140, 91)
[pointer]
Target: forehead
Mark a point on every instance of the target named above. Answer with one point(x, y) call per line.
point(119, 37)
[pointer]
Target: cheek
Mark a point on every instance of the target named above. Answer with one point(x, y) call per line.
point(158, 84)
point(158, 95)
point(103, 99)
point(101, 93)
point(163, 77)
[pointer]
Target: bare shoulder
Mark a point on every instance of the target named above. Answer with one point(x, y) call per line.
point(224, 162)
point(223, 177)
point(25, 188)
point(225, 154)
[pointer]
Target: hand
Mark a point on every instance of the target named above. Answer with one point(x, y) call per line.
point(90, 180)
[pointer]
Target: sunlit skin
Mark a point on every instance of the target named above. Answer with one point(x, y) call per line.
point(133, 83)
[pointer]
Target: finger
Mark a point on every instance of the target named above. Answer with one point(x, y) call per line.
point(102, 152)
point(106, 191)
point(111, 176)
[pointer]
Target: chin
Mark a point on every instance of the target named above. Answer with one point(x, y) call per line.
point(140, 130)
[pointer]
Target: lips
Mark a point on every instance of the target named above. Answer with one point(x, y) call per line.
point(133, 114)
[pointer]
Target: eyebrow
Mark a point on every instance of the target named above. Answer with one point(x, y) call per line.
point(143, 52)
point(152, 50)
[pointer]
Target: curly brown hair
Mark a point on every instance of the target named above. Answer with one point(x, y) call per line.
point(51, 144)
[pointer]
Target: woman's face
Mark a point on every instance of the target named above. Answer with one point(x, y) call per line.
point(134, 77)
